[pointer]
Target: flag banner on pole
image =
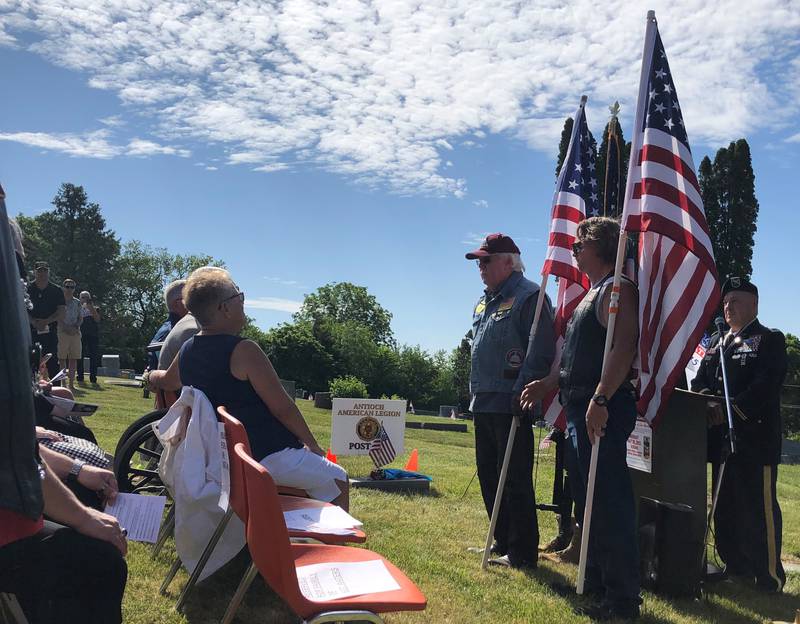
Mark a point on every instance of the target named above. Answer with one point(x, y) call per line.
point(613, 174)
point(575, 194)
point(382, 450)
point(678, 286)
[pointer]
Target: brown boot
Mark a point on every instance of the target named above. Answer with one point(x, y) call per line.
point(572, 553)
point(559, 542)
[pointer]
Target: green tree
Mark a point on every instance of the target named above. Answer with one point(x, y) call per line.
point(344, 302)
point(790, 398)
point(727, 188)
point(135, 307)
point(349, 386)
point(74, 239)
point(417, 376)
point(296, 354)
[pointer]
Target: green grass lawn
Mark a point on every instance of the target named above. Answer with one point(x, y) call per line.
point(427, 537)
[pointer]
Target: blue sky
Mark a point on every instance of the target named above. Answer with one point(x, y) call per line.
point(374, 143)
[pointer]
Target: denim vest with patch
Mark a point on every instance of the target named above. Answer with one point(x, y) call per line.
point(500, 341)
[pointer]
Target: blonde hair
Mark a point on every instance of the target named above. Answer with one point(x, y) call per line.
point(204, 290)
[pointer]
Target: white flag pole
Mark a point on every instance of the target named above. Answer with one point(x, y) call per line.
point(515, 420)
point(613, 306)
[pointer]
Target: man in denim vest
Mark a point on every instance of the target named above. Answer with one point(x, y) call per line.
point(503, 361)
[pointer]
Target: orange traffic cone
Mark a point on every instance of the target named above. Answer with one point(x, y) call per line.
point(331, 457)
point(412, 465)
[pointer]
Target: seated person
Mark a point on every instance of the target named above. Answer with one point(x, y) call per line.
point(52, 417)
point(93, 486)
point(236, 373)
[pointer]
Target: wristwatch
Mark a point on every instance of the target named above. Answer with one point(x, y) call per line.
point(77, 465)
point(600, 399)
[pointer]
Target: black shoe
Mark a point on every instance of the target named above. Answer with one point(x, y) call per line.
point(494, 550)
point(507, 562)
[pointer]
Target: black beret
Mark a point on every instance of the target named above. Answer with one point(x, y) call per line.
point(739, 283)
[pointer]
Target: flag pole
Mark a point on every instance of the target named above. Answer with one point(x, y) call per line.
point(613, 306)
point(498, 497)
point(515, 420)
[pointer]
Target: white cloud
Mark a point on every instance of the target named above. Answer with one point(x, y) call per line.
point(89, 145)
point(142, 147)
point(380, 92)
point(273, 303)
point(284, 282)
point(473, 239)
point(481, 203)
point(211, 168)
point(795, 138)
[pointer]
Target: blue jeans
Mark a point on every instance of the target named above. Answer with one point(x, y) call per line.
point(613, 559)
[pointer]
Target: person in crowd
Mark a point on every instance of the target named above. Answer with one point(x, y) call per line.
point(173, 298)
point(92, 486)
point(180, 333)
point(69, 332)
point(235, 372)
point(90, 336)
point(747, 521)
point(600, 403)
point(503, 360)
point(48, 308)
point(71, 570)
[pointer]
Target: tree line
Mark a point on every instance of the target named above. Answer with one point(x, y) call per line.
point(340, 331)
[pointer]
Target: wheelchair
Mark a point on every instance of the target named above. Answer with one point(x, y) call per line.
point(138, 450)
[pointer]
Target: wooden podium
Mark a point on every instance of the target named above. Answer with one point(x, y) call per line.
point(679, 472)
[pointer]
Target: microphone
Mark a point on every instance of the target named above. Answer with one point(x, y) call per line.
point(720, 323)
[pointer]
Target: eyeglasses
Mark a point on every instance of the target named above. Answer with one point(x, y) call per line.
point(577, 247)
point(483, 261)
point(239, 294)
point(69, 286)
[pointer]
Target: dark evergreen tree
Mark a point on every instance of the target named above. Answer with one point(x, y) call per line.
point(728, 191)
point(563, 144)
point(74, 239)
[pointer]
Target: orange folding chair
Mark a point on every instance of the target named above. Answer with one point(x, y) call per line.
point(235, 433)
point(277, 559)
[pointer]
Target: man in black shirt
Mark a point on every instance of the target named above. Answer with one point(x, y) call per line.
point(48, 308)
point(747, 520)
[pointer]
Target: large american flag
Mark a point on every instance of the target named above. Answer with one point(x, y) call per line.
point(381, 450)
point(575, 195)
point(678, 288)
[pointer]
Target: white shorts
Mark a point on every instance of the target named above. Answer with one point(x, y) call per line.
point(302, 469)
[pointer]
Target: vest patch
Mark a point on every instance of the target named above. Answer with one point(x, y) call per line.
point(514, 358)
point(480, 307)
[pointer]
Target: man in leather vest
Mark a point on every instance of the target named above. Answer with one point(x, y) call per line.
point(747, 520)
point(600, 403)
point(503, 360)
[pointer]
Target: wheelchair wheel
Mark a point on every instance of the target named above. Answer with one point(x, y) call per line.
point(136, 464)
point(136, 425)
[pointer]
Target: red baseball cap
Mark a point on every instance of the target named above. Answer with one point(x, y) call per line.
point(494, 244)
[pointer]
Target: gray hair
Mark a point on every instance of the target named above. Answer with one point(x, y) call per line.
point(516, 260)
point(173, 291)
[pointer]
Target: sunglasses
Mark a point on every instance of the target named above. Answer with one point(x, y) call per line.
point(69, 286)
point(239, 294)
point(577, 247)
point(483, 261)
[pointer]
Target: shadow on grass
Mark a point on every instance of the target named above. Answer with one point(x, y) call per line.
point(761, 605)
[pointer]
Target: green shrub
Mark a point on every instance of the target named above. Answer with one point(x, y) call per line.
point(348, 387)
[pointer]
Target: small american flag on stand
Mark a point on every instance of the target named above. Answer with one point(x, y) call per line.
point(678, 287)
point(575, 195)
point(381, 450)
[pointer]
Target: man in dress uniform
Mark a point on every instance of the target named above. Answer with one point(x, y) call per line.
point(503, 360)
point(748, 518)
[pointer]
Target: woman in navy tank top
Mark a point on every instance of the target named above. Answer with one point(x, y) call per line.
point(235, 372)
